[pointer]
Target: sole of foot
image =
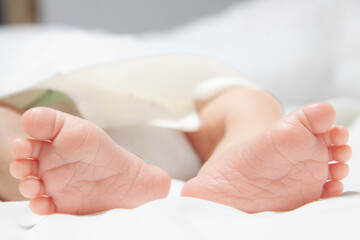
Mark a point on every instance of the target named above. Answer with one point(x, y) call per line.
point(298, 160)
point(69, 165)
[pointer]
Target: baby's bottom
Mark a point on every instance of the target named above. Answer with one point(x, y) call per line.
point(254, 159)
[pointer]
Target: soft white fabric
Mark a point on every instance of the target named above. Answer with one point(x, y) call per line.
point(31, 54)
point(189, 218)
point(300, 51)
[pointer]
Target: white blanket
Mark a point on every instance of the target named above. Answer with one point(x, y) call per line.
point(189, 218)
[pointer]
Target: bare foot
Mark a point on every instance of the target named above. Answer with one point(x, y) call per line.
point(282, 169)
point(72, 166)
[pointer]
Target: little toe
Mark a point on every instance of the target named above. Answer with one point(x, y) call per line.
point(338, 171)
point(23, 168)
point(337, 136)
point(317, 117)
point(332, 189)
point(23, 148)
point(31, 187)
point(42, 123)
point(340, 153)
point(42, 205)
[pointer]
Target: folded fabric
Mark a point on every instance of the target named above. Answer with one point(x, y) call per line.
point(189, 218)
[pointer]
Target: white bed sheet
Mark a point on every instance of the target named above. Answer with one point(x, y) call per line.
point(189, 218)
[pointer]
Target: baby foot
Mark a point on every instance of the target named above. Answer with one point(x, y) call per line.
point(72, 166)
point(282, 169)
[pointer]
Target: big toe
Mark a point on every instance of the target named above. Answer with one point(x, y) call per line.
point(317, 117)
point(42, 123)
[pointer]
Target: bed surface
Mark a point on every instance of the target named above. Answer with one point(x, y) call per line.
point(189, 218)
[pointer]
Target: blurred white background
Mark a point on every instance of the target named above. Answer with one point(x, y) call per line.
point(128, 16)
point(301, 51)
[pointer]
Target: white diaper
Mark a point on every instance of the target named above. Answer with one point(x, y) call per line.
point(144, 103)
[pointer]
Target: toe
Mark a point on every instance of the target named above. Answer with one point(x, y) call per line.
point(340, 153)
point(42, 123)
point(338, 171)
point(337, 136)
point(332, 189)
point(23, 148)
point(32, 187)
point(317, 117)
point(42, 205)
point(23, 168)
